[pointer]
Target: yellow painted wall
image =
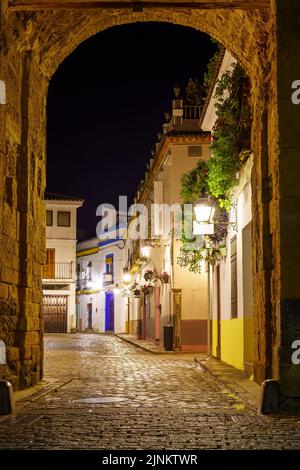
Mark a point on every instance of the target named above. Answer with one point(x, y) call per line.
point(236, 341)
point(214, 326)
point(133, 327)
point(232, 342)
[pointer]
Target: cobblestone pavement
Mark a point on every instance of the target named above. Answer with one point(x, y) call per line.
point(103, 393)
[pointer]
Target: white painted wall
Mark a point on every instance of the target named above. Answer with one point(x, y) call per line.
point(242, 215)
point(63, 240)
point(98, 298)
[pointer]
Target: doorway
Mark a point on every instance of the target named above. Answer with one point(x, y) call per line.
point(109, 311)
point(90, 316)
point(218, 348)
point(55, 309)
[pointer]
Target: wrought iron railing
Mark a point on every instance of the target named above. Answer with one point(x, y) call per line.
point(60, 270)
point(191, 112)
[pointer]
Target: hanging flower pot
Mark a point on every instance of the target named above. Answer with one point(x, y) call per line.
point(164, 277)
point(148, 275)
point(223, 250)
point(137, 293)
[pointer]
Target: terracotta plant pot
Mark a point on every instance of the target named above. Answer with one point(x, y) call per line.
point(148, 276)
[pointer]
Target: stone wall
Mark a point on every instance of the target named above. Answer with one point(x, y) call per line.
point(33, 44)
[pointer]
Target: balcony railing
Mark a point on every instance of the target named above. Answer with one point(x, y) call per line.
point(107, 278)
point(60, 270)
point(191, 112)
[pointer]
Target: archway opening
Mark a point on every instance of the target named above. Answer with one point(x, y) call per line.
point(39, 43)
point(103, 115)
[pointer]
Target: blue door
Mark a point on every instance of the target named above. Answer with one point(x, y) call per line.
point(109, 311)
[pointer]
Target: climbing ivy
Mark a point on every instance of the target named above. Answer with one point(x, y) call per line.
point(218, 176)
point(194, 182)
point(233, 116)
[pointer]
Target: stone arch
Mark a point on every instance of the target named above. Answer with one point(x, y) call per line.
point(38, 42)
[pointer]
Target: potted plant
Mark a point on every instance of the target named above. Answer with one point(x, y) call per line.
point(223, 250)
point(148, 275)
point(165, 277)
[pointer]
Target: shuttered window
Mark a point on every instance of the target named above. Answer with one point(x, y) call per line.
point(195, 150)
point(49, 218)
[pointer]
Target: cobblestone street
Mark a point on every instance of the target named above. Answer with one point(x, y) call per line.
point(103, 393)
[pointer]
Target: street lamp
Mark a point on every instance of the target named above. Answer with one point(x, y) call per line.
point(204, 211)
point(127, 277)
point(203, 225)
point(145, 251)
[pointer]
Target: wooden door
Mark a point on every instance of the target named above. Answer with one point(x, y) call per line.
point(55, 309)
point(90, 316)
point(109, 311)
point(157, 313)
point(49, 267)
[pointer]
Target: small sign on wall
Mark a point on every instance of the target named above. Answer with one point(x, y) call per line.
point(2, 352)
point(2, 92)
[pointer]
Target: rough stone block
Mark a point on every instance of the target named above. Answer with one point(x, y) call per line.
point(8, 275)
point(8, 323)
point(13, 293)
point(35, 377)
point(13, 354)
point(25, 353)
point(28, 339)
point(29, 324)
point(3, 291)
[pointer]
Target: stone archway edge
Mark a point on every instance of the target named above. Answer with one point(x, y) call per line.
point(94, 4)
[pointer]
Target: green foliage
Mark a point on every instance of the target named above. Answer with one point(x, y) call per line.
point(217, 178)
point(224, 162)
point(190, 259)
point(194, 182)
point(211, 68)
point(195, 94)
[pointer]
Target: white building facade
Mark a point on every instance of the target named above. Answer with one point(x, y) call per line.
point(232, 295)
point(167, 304)
point(59, 272)
point(101, 308)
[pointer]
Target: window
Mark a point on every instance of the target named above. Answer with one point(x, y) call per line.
point(49, 218)
point(195, 151)
point(109, 266)
point(63, 219)
point(233, 264)
point(89, 271)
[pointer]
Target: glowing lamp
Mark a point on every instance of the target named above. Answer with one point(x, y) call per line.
point(204, 211)
point(127, 277)
point(145, 251)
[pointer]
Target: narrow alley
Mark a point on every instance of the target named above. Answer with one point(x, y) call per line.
point(100, 392)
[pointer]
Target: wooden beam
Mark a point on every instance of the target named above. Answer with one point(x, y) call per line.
point(136, 6)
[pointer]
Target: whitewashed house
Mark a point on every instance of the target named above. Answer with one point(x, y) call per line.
point(59, 272)
point(100, 304)
point(172, 296)
point(232, 316)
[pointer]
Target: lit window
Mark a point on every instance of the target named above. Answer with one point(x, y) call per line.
point(49, 218)
point(63, 219)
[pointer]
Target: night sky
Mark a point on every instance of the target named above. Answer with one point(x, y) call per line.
point(106, 104)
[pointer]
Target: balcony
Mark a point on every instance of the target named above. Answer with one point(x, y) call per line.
point(107, 278)
point(60, 270)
